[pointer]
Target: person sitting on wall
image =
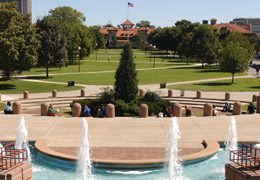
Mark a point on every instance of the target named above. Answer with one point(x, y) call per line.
point(52, 111)
point(215, 112)
point(226, 108)
point(85, 111)
point(8, 108)
point(188, 112)
point(251, 108)
point(101, 112)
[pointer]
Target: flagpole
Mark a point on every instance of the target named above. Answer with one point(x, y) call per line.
point(127, 12)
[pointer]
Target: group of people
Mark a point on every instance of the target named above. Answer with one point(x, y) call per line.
point(169, 112)
point(86, 112)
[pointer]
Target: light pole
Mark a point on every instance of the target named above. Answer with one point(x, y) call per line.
point(151, 48)
point(96, 51)
point(79, 48)
point(154, 48)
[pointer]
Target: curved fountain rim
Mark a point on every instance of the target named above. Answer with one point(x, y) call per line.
point(211, 148)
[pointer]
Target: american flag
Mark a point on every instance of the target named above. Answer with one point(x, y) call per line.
point(130, 5)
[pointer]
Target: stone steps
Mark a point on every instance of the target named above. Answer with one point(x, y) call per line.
point(199, 103)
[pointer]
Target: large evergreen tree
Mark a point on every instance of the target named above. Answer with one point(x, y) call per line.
point(126, 85)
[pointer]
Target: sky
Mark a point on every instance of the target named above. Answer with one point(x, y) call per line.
point(158, 12)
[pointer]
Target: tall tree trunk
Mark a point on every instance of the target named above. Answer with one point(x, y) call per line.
point(47, 70)
point(7, 74)
point(233, 74)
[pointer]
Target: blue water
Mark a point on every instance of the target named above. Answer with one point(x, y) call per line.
point(45, 168)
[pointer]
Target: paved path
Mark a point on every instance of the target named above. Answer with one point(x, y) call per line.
point(129, 132)
point(109, 71)
point(96, 89)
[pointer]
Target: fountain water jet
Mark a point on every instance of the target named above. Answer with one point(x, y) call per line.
point(2, 150)
point(231, 144)
point(21, 138)
point(173, 164)
point(84, 164)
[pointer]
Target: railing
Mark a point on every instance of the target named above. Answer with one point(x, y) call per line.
point(247, 157)
point(10, 157)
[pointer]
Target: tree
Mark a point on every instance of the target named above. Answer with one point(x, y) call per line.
point(85, 41)
point(205, 44)
point(236, 54)
point(71, 22)
point(53, 46)
point(98, 38)
point(126, 84)
point(144, 23)
point(166, 39)
point(18, 41)
point(67, 15)
point(184, 36)
point(136, 41)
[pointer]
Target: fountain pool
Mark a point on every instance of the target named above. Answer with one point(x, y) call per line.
point(45, 168)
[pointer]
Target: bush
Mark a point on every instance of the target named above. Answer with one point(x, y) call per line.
point(151, 97)
point(108, 96)
point(121, 107)
point(153, 100)
point(133, 109)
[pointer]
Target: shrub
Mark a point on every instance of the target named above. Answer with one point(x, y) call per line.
point(121, 107)
point(151, 97)
point(154, 102)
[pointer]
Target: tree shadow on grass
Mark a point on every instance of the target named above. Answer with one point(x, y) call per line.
point(34, 77)
point(255, 87)
point(7, 86)
point(37, 77)
point(215, 84)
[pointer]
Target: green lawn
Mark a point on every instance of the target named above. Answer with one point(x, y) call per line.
point(246, 84)
point(17, 87)
point(147, 76)
point(91, 66)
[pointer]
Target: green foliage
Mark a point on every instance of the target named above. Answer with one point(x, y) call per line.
point(18, 41)
point(154, 102)
point(144, 23)
point(184, 35)
point(205, 44)
point(166, 38)
point(78, 40)
point(121, 107)
point(151, 97)
point(53, 47)
point(108, 96)
point(98, 39)
point(236, 54)
point(126, 84)
point(136, 41)
point(67, 15)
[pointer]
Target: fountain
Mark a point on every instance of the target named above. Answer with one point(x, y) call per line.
point(173, 164)
point(231, 144)
point(21, 138)
point(84, 164)
point(2, 150)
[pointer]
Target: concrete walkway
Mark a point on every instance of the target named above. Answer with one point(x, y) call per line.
point(128, 132)
point(93, 90)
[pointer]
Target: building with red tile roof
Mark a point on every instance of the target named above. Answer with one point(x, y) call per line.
point(118, 36)
point(232, 27)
